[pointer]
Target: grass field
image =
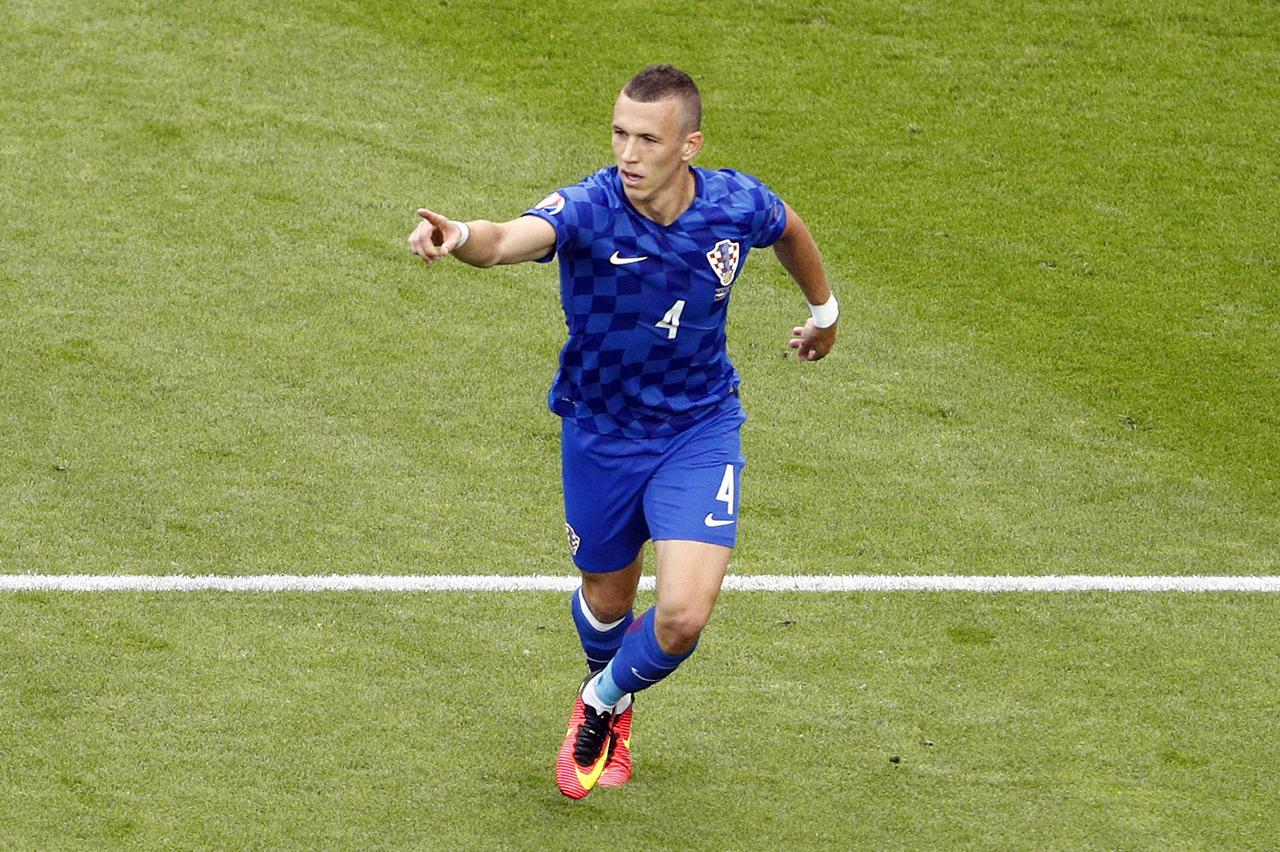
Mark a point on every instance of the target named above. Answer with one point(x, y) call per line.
point(361, 721)
point(1053, 229)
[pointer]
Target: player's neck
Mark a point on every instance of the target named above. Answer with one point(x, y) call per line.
point(668, 204)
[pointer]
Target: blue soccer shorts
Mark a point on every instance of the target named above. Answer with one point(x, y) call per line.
point(621, 492)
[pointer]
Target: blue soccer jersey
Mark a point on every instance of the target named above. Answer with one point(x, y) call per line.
point(646, 304)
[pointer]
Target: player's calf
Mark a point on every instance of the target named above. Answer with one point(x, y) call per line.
point(600, 639)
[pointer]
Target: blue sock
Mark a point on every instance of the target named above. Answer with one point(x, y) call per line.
point(599, 641)
point(639, 663)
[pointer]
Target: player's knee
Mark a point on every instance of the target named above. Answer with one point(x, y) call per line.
point(608, 603)
point(678, 629)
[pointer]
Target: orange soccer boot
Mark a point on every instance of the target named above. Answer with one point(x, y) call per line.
point(617, 770)
point(585, 750)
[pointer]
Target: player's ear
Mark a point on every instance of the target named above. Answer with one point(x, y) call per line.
point(692, 145)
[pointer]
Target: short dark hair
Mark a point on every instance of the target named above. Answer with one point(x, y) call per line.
point(659, 82)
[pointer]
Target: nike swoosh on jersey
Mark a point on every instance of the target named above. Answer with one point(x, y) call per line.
point(618, 260)
point(712, 521)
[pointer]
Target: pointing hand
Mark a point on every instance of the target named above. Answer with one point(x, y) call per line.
point(434, 237)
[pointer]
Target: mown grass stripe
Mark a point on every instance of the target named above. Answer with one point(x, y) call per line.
point(545, 583)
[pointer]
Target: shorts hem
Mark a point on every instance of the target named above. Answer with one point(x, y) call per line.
point(590, 570)
point(707, 539)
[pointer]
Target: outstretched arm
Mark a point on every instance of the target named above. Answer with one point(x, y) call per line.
point(481, 243)
point(799, 255)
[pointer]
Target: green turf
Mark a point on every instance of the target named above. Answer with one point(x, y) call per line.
point(1052, 228)
point(430, 721)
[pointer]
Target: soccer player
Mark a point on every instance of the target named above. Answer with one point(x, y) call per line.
point(649, 251)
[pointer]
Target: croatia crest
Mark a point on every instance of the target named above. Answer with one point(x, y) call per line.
point(724, 260)
point(574, 541)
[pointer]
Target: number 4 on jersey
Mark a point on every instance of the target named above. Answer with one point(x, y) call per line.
point(671, 319)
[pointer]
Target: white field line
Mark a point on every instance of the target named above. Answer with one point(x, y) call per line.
point(566, 583)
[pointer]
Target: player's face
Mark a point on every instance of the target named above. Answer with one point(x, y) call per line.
point(651, 146)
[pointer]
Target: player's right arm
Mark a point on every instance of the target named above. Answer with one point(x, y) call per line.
point(489, 243)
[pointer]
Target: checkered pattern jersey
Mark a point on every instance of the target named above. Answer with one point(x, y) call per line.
point(646, 353)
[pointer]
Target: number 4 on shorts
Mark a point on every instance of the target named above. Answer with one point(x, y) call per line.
point(725, 494)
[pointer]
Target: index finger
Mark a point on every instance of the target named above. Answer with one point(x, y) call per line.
point(432, 216)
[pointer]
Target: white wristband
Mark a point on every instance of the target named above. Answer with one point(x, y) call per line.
point(826, 314)
point(466, 234)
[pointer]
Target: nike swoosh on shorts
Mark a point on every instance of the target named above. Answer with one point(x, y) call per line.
point(712, 521)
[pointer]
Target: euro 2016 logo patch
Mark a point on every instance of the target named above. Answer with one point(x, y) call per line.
point(574, 541)
point(724, 261)
point(552, 204)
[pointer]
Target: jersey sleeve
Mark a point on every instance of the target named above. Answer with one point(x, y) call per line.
point(770, 218)
point(566, 210)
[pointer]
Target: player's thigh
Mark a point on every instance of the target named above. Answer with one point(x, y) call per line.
point(603, 500)
point(689, 574)
point(694, 493)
